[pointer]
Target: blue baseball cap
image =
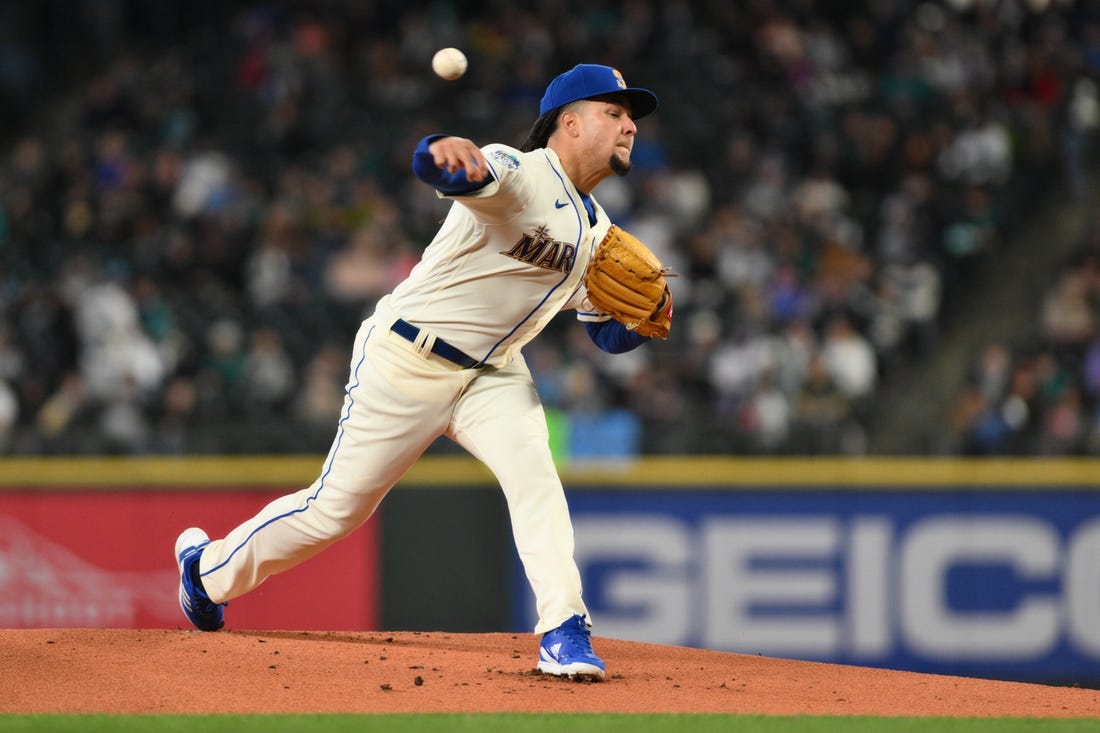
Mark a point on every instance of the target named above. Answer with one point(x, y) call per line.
point(585, 81)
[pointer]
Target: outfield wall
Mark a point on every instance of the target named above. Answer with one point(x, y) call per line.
point(982, 568)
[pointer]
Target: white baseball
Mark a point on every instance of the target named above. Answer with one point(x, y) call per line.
point(449, 63)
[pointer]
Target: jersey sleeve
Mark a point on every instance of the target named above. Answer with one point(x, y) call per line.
point(613, 337)
point(506, 196)
point(608, 334)
point(449, 184)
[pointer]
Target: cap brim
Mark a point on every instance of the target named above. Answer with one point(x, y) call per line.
point(642, 101)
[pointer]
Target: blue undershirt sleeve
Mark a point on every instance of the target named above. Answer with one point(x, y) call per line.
point(449, 184)
point(613, 337)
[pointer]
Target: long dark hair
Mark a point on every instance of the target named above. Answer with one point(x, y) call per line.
point(541, 131)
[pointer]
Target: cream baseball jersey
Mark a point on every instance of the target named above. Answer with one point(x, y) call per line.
point(530, 224)
point(511, 254)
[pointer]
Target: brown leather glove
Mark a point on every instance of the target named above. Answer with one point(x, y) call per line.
point(626, 281)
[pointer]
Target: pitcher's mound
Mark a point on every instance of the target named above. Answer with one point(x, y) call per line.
point(171, 671)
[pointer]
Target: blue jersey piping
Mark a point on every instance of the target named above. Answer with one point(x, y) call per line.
point(324, 475)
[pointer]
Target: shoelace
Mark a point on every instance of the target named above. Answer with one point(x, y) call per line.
point(579, 636)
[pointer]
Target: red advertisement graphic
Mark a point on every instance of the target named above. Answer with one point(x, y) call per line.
point(104, 560)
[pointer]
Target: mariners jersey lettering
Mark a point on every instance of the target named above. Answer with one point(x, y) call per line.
point(540, 250)
point(455, 290)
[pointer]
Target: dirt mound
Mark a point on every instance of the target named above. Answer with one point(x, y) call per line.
point(172, 671)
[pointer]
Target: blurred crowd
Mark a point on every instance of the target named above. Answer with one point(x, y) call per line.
point(191, 231)
point(1039, 394)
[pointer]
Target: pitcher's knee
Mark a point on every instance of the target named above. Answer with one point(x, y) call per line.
point(337, 520)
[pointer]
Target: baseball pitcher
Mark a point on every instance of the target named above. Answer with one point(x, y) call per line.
point(442, 355)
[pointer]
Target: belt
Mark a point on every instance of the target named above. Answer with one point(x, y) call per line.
point(440, 348)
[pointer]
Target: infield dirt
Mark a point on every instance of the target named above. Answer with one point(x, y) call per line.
point(175, 671)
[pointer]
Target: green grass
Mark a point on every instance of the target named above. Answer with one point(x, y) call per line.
point(509, 723)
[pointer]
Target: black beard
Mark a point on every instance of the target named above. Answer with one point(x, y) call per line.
point(618, 166)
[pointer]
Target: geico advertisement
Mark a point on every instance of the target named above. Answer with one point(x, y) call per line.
point(1004, 584)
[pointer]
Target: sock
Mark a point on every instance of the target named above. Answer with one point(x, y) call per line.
point(197, 580)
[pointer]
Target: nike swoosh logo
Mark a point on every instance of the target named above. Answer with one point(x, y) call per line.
point(559, 204)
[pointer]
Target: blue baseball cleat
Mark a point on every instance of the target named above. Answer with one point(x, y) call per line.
point(203, 613)
point(567, 652)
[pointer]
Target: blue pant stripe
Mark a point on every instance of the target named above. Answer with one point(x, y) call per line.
point(328, 468)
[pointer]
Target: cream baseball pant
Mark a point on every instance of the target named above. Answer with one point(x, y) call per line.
point(399, 399)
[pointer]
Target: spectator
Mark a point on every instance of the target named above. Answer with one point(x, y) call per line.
point(267, 373)
point(1067, 317)
point(9, 413)
point(1063, 425)
point(322, 393)
point(821, 412)
point(849, 358)
point(766, 416)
